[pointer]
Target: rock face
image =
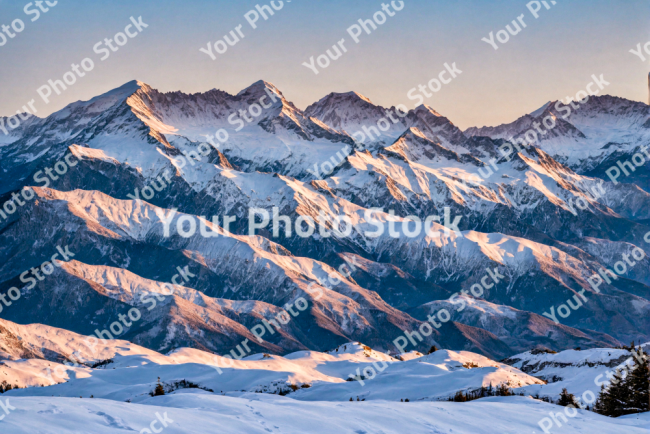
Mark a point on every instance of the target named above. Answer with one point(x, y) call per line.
point(546, 220)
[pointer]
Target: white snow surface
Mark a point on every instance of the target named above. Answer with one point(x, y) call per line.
point(257, 413)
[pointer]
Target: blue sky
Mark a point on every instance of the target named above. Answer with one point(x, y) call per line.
point(553, 57)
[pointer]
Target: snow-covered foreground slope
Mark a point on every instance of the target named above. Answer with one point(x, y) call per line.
point(256, 413)
point(244, 396)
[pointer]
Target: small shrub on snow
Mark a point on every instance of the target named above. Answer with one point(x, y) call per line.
point(567, 399)
point(163, 388)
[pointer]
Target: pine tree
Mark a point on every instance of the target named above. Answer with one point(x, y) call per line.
point(433, 349)
point(567, 399)
point(503, 390)
point(602, 404)
point(627, 395)
point(459, 397)
point(638, 384)
point(159, 390)
point(6, 387)
point(617, 394)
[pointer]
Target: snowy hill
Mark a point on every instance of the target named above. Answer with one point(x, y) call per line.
point(312, 382)
point(255, 413)
point(577, 371)
point(120, 370)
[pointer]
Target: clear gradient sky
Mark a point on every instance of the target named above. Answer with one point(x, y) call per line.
point(552, 58)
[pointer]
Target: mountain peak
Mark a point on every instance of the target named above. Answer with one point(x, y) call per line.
point(540, 110)
point(354, 94)
point(414, 132)
point(126, 89)
point(259, 87)
point(414, 145)
point(427, 109)
point(338, 99)
point(100, 103)
point(347, 111)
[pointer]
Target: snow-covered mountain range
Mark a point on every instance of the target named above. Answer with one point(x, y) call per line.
point(544, 216)
point(114, 178)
